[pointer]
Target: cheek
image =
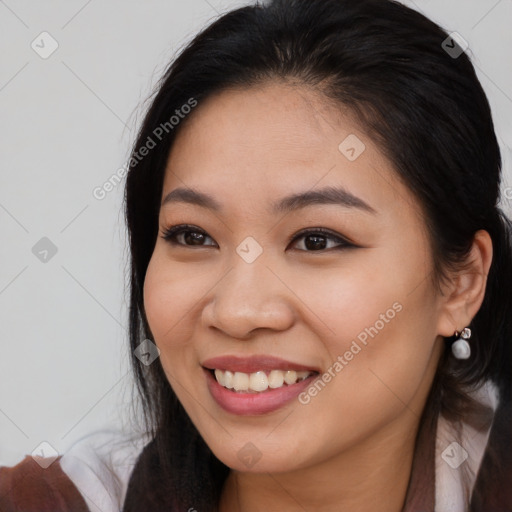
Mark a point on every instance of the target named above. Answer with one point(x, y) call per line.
point(165, 305)
point(377, 321)
point(373, 290)
point(169, 296)
point(159, 299)
point(168, 299)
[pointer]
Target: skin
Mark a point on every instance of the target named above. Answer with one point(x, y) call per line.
point(351, 446)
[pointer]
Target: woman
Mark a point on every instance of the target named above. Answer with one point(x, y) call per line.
point(320, 261)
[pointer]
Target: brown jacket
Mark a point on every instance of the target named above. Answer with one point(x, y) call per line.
point(28, 487)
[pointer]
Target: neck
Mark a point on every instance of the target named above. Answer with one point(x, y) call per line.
point(374, 475)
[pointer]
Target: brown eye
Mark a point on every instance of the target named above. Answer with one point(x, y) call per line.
point(320, 239)
point(186, 235)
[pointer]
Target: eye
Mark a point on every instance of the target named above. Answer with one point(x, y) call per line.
point(185, 234)
point(317, 240)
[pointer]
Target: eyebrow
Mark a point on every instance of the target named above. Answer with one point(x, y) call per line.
point(327, 195)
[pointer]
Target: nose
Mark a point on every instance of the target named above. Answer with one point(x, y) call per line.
point(250, 296)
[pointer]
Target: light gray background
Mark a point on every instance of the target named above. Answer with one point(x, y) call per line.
point(66, 125)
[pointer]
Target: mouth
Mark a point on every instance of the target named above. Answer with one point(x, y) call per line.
point(259, 381)
point(255, 385)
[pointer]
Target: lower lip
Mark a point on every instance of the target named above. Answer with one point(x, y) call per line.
point(251, 404)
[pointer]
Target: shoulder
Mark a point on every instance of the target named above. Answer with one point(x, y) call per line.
point(28, 486)
point(474, 460)
point(100, 465)
point(92, 475)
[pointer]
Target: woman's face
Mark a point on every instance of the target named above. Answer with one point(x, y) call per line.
point(352, 311)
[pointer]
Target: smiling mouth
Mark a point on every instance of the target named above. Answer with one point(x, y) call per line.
point(259, 381)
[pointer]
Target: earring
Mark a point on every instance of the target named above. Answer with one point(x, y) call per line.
point(460, 347)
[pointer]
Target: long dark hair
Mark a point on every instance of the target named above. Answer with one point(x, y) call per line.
point(427, 111)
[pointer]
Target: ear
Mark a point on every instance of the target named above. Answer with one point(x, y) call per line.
point(465, 293)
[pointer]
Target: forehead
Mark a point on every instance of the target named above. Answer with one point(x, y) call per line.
point(268, 141)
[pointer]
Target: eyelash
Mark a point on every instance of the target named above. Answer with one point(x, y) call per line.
point(171, 233)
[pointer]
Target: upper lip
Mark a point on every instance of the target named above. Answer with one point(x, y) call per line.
point(253, 364)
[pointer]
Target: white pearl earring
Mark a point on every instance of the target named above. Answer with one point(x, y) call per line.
point(460, 347)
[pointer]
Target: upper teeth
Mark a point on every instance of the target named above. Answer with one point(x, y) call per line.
point(258, 381)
